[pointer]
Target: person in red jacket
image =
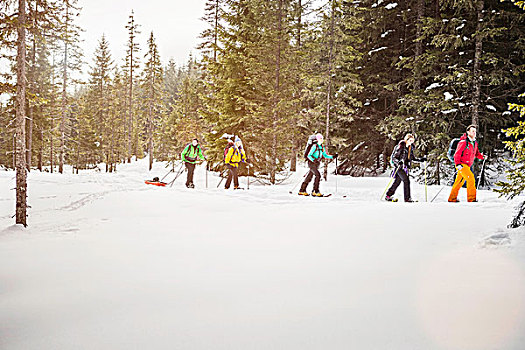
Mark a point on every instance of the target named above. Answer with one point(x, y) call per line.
point(466, 151)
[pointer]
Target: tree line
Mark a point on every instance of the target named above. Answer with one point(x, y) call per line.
point(361, 72)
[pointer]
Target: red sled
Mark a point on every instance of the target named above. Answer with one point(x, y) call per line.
point(156, 183)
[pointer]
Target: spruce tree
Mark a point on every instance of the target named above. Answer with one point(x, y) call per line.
point(100, 87)
point(151, 86)
point(130, 68)
point(71, 61)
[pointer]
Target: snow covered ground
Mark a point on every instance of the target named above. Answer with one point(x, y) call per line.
point(108, 262)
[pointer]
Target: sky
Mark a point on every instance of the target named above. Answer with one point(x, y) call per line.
point(176, 25)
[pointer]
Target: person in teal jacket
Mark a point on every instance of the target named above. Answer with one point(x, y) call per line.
point(313, 158)
point(189, 157)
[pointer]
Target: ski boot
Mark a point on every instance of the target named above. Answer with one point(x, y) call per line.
point(453, 201)
point(238, 188)
point(191, 185)
point(317, 194)
point(303, 194)
point(410, 200)
point(390, 199)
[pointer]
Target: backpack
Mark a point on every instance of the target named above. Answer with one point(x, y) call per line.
point(452, 149)
point(312, 140)
point(195, 152)
point(226, 149)
point(392, 156)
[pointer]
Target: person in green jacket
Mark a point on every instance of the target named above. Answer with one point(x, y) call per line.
point(189, 157)
point(313, 158)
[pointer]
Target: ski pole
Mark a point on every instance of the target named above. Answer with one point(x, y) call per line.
point(248, 176)
point(169, 172)
point(481, 172)
point(336, 173)
point(389, 183)
point(222, 178)
point(426, 191)
point(177, 175)
point(206, 174)
point(298, 182)
point(437, 194)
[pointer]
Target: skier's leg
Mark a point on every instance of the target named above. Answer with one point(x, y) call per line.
point(317, 179)
point(307, 179)
point(458, 183)
point(406, 183)
point(395, 185)
point(188, 166)
point(191, 171)
point(229, 179)
point(235, 177)
point(471, 184)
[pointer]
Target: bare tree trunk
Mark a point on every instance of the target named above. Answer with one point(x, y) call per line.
point(64, 101)
point(419, 43)
point(29, 135)
point(273, 169)
point(329, 91)
point(41, 149)
point(477, 65)
point(293, 165)
point(21, 172)
point(150, 136)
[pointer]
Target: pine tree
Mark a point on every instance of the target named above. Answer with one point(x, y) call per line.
point(515, 184)
point(151, 86)
point(71, 61)
point(132, 64)
point(100, 85)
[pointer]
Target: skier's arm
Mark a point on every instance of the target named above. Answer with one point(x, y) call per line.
point(479, 155)
point(327, 156)
point(416, 159)
point(459, 151)
point(183, 154)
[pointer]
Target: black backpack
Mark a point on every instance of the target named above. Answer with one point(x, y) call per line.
point(452, 149)
point(312, 140)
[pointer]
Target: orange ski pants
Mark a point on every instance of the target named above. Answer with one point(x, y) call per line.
point(465, 174)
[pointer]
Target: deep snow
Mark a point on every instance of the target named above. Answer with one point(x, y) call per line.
point(108, 262)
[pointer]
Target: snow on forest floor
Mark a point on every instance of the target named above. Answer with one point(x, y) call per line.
point(108, 262)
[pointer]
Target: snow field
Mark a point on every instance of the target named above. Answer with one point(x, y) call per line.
point(108, 262)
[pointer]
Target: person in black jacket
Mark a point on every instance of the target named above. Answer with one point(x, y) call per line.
point(402, 157)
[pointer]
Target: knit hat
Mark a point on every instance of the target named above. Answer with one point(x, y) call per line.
point(319, 137)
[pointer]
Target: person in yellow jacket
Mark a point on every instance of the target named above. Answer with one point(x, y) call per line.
point(234, 155)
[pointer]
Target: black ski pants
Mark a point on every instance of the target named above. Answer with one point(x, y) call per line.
point(191, 169)
point(401, 175)
point(232, 173)
point(314, 171)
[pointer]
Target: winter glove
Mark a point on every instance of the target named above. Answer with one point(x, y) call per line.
point(401, 164)
point(336, 155)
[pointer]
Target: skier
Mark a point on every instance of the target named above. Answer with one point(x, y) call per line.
point(313, 158)
point(402, 157)
point(189, 157)
point(463, 159)
point(233, 156)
